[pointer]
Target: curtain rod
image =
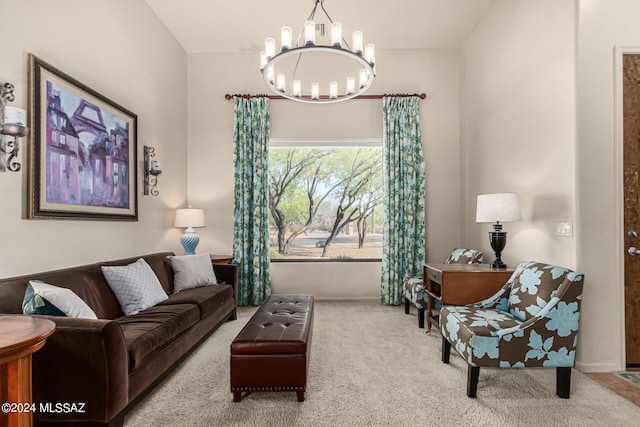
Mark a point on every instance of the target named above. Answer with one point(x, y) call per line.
point(400, 95)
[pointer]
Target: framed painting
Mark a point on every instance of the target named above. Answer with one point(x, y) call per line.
point(82, 163)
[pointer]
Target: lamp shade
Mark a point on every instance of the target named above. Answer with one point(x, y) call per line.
point(189, 218)
point(498, 207)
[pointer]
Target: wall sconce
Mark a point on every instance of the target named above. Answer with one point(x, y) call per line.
point(151, 171)
point(12, 124)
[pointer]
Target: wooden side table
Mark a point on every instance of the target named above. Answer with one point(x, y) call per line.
point(461, 284)
point(20, 337)
point(221, 259)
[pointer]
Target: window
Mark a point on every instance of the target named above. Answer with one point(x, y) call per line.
point(325, 202)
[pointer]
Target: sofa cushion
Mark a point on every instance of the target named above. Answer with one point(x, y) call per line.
point(152, 329)
point(192, 271)
point(475, 321)
point(208, 299)
point(42, 298)
point(135, 285)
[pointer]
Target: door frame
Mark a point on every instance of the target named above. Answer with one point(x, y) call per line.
point(618, 167)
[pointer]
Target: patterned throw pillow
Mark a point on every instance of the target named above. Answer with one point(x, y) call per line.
point(135, 285)
point(43, 298)
point(534, 284)
point(192, 271)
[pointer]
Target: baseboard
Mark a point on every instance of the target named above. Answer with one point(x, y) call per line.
point(597, 367)
point(346, 299)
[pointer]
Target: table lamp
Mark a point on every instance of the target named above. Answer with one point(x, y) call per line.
point(498, 207)
point(189, 218)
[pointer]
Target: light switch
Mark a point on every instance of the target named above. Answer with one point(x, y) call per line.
point(564, 229)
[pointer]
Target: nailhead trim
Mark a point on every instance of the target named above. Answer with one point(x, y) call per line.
point(267, 389)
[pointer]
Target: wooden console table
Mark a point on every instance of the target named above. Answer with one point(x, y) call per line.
point(461, 284)
point(20, 337)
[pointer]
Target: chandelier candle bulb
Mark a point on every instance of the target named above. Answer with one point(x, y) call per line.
point(336, 34)
point(280, 82)
point(309, 33)
point(270, 47)
point(297, 88)
point(363, 77)
point(270, 75)
point(357, 42)
point(263, 60)
point(369, 53)
point(286, 36)
point(333, 90)
point(315, 91)
point(351, 85)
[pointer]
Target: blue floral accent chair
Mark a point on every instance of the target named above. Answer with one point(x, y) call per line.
point(464, 256)
point(415, 291)
point(531, 322)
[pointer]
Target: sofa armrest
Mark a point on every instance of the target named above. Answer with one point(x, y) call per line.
point(228, 273)
point(83, 361)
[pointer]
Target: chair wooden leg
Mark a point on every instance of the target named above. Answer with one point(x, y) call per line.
point(563, 382)
point(473, 372)
point(446, 350)
point(407, 304)
point(421, 318)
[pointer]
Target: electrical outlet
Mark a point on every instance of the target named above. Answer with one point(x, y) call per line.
point(564, 229)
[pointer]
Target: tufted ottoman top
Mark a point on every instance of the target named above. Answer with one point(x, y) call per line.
point(281, 325)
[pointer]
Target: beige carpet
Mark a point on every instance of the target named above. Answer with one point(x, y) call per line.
point(372, 366)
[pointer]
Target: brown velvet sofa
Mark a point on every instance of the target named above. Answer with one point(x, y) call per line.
point(110, 363)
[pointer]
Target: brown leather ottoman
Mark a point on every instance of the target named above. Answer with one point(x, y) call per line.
point(271, 353)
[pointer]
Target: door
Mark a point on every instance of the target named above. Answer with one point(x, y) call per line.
point(631, 188)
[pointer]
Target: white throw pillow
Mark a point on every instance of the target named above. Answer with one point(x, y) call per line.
point(136, 286)
point(192, 271)
point(43, 298)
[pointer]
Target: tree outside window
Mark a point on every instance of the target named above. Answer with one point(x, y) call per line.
point(325, 203)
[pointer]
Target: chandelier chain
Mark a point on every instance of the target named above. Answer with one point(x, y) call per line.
point(331, 20)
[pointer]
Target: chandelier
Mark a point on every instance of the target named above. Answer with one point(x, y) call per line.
point(303, 71)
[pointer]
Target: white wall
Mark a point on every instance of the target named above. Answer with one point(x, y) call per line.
point(121, 50)
point(519, 133)
point(519, 125)
point(603, 26)
point(211, 152)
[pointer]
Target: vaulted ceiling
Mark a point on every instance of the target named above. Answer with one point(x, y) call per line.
point(216, 26)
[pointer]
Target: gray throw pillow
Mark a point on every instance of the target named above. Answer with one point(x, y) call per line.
point(135, 285)
point(192, 271)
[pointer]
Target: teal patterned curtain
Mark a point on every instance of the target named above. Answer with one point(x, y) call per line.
point(251, 217)
point(403, 241)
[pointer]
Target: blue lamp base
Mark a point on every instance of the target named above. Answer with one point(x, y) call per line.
point(189, 241)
